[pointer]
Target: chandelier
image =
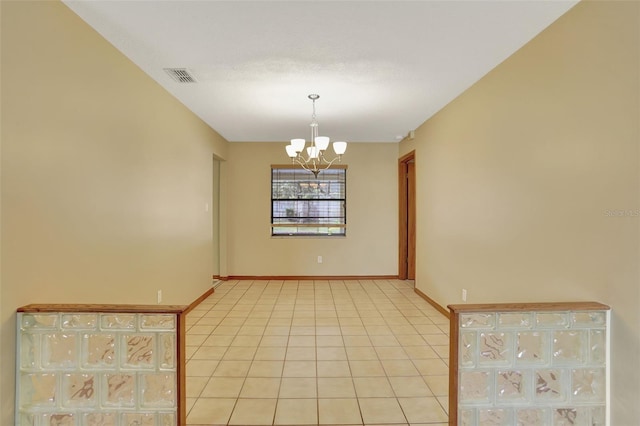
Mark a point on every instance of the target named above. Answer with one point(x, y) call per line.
point(315, 160)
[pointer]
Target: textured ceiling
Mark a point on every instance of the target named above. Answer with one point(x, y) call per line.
point(381, 68)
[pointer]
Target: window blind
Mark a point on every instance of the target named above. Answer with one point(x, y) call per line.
point(303, 205)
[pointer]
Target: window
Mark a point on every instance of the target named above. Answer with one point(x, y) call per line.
point(303, 205)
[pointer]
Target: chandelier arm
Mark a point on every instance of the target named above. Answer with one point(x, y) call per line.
point(329, 163)
point(316, 167)
point(306, 160)
point(300, 160)
point(325, 164)
point(301, 164)
point(325, 161)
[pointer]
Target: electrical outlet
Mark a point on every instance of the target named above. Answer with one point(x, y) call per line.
point(464, 294)
point(319, 259)
point(159, 296)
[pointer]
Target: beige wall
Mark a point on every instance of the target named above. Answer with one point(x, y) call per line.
point(370, 247)
point(105, 177)
point(517, 176)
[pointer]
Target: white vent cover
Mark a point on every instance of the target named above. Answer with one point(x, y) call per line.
point(181, 75)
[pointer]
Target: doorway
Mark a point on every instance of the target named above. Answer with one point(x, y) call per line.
point(215, 218)
point(407, 217)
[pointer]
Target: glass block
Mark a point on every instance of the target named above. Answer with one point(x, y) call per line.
point(531, 417)
point(139, 350)
point(549, 385)
point(552, 319)
point(119, 390)
point(588, 384)
point(515, 320)
point(571, 417)
point(27, 419)
point(158, 321)
point(59, 351)
point(98, 351)
point(118, 321)
point(38, 390)
point(531, 347)
point(29, 351)
point(39, 321)
point(467, 344)
point(598, 416)
point(467, 417)
point(474, 386)
point(167, 351)
point(494, 348)
point(82, 321)
point(78, 390)
point(477, 320)
point(167, 419)
point(598, 346)
point(494, 417)
point(588, 319)
point(158, 390)
point(138, 419)
point(569, 346)
point(511, 386)
point(59, 419)
point(99, 419)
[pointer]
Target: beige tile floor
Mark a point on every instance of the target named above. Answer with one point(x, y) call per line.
point(316, 353)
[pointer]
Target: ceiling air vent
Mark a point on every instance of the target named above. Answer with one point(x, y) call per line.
point(181, 75)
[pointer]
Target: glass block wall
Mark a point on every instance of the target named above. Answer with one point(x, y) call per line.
point(97, 369)
point(531, 368)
